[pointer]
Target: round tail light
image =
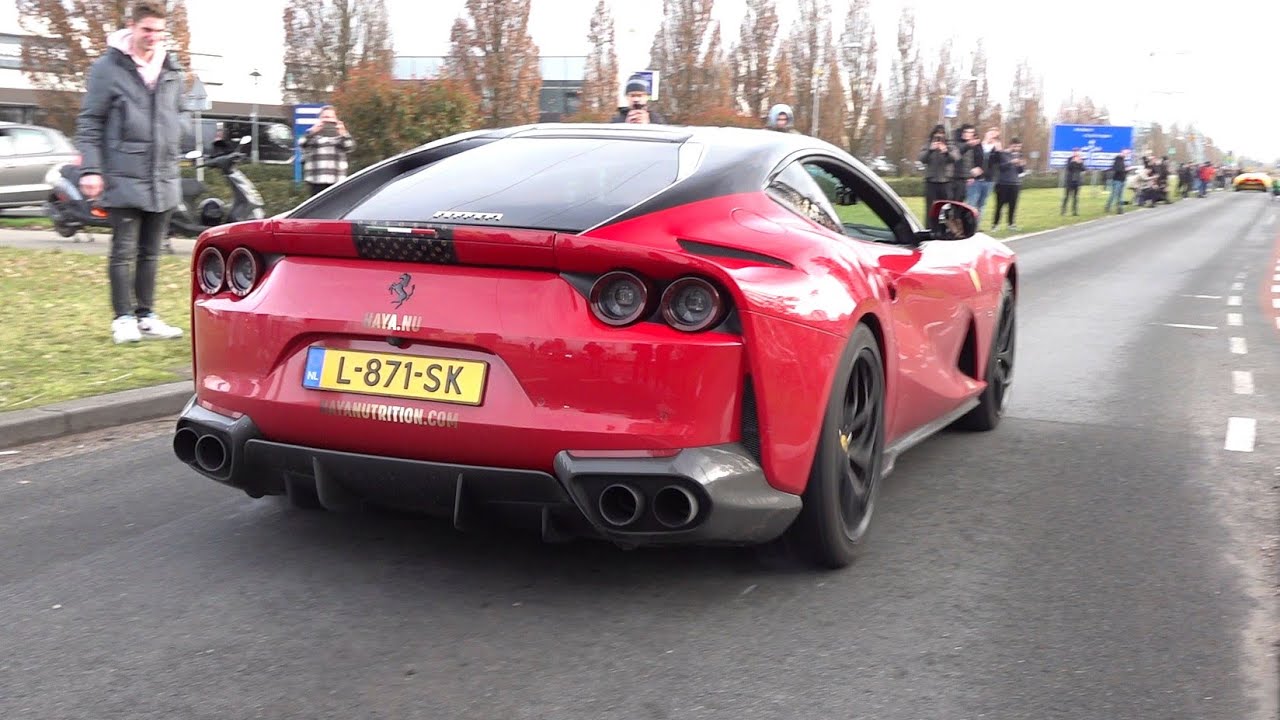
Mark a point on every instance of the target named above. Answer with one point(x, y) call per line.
point(692, 304)
point(619, 298)
point(243, 268)
point(211, 270)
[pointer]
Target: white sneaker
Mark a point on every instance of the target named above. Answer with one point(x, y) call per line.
point(153, 328)
point(124, 329)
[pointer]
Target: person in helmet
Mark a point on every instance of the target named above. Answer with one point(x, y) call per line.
point(780, 117)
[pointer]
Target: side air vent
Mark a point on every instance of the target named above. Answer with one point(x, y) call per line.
point(710, 250)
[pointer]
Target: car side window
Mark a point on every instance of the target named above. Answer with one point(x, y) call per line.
point(863, 212)
point(30, 142)
point(797, 190)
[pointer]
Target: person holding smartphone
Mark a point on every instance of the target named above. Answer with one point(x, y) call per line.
point(325, 148)
point(637, 110)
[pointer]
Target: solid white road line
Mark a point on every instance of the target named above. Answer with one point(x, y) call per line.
point(1241, 433)
point(1242, 382)
point(1235, 319)
point(1204, 297)
point(1233, 301)
point(1238, 346)
point(1191, 327)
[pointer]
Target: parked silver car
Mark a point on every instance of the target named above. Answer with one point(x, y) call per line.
point(27, 154)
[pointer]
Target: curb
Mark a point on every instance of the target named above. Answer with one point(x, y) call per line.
point(50, 422)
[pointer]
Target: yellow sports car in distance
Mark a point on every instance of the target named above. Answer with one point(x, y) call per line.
point(1252, 181)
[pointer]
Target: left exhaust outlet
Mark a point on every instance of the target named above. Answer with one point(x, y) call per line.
point(184, 445)
point(211, 453)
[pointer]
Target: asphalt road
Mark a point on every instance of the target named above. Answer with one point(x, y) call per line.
point(1103, 555)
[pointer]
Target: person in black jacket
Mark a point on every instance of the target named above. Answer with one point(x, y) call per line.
point(638, 110)
point(1011, 166)
point(1119, 174)
point(970, 166)
point(939, 158)
point(1075, 171)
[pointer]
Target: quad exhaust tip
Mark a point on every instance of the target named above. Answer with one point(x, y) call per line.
point(675, 506)
point(620, 505)
point(210, 453)
point(184, 445)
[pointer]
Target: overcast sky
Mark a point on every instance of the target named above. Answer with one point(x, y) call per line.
point(1219, 57)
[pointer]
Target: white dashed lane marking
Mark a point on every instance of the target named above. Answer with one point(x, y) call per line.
point(1241, 433)
point(1238, 346)
point(1191, 327)
point(1242, 382)
point(1237, 286)
point(1235, 319)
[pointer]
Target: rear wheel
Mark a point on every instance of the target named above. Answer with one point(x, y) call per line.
point(848, 463)
point(999, 372)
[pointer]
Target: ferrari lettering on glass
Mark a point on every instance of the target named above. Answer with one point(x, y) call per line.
point(669, 336)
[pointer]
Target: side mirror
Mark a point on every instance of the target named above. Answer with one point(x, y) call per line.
point(952, 220)
point(846, 196)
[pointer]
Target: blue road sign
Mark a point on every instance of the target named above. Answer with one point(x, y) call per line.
point(950, 106)
point(653, 78)
point(1098, 143)
point(304, 116)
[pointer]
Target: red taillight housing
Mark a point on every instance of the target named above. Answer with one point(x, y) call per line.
point(238, 271)
point(620, 298)
point(692, 304)
point(211, 271)
point(689, 304)
point(244, 267)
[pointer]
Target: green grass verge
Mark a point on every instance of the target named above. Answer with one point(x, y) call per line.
point(26, 223)
point(1038, 209)
point(56, 344)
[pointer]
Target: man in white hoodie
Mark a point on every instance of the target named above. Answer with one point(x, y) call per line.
point(129, 135)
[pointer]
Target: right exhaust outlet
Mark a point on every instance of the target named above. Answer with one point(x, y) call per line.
point(675, 507)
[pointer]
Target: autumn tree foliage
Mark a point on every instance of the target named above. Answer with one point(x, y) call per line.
point(325, 40)
point(783, 89)
point(679, 53)
point(66, 36)
point(600, 89)
point(810, 42)
point(493, 53)
point(858, 50)
point(388, 117)
point(752, 56)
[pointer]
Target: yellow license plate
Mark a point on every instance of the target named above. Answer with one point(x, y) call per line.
point(399, 376)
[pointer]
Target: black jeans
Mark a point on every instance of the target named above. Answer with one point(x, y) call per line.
point(1006, 195)
point(135, 240)
point(934, 191)
point(1072, 194)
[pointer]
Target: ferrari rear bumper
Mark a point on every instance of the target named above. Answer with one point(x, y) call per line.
point(704, 495)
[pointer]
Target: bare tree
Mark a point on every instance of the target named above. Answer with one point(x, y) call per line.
point(753, 55)
point(876, 124)
point(324, 40)
point(494, 54)
point(858, 58)
point(978, 93)
point(783, 89)
point(678, 47)
point(834, 108)
point(600, 84)
point(66, 36)
point(903, 91)
point(716, 86)
point(810, 41)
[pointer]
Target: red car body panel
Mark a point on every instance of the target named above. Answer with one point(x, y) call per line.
point(560, 379)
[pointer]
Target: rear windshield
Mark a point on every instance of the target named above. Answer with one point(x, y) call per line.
point(566, 184)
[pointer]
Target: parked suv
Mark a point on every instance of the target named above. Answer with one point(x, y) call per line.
point(27, 153)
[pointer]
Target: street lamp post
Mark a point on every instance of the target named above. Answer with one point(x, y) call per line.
point(254, 116)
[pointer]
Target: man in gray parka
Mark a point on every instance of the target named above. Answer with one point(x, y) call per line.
point(129, 136)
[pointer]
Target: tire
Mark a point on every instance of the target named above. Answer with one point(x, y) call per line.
point(848, 463)
point(999, 371)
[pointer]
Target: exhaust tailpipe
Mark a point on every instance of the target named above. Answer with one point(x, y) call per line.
point(620, 505)
point(211, 453)
point(675, 506)
point(184, 445)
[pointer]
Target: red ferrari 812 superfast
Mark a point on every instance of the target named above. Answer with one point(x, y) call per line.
point(646, 334)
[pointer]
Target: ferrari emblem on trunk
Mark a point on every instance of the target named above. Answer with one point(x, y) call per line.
point(402, 290)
